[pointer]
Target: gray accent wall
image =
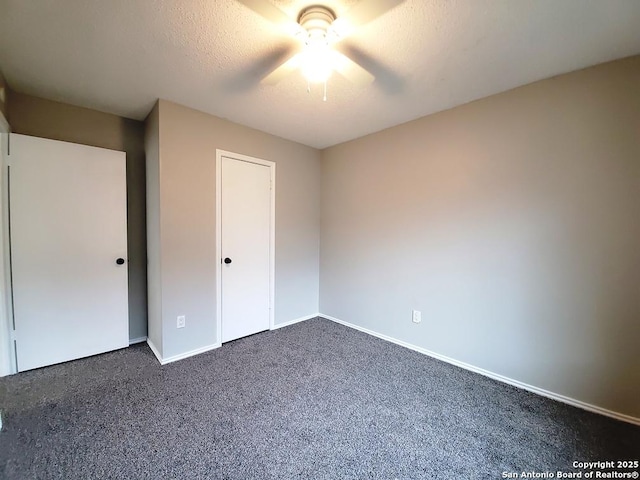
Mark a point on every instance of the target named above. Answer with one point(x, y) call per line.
point(4, 97)
point(7, 360)
point(154, 292)
point(188, 140)
point(58, 121)
point(512, 223)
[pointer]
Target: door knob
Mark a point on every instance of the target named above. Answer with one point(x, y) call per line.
point(120, 261)
point(227, 260)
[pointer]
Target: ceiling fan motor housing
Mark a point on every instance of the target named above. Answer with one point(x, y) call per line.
point(316, 20)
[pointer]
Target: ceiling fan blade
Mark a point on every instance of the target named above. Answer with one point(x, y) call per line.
point(362, 13)
point(273, 14)
point(267, 10)
point(351, 70)
point(285, 69)
point(387, 79)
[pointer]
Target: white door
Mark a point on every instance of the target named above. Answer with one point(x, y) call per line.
point(68, 230)
point(245, 247)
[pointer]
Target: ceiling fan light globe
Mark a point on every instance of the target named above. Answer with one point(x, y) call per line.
point(316, 64)
point(316, 73)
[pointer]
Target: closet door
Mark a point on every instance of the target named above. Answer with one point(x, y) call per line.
point(246, 247)
point(68, 230)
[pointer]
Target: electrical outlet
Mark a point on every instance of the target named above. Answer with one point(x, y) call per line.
point(181, 321)
point(416, 317)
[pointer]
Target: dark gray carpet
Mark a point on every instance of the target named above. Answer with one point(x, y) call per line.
point(314, 400)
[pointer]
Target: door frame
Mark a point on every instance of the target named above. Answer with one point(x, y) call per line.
point(272, 234)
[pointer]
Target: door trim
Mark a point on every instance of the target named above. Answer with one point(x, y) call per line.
point(272, 234)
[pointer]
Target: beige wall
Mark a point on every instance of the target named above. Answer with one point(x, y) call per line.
point(188, 141)
point(58, 121)
point(512, 223)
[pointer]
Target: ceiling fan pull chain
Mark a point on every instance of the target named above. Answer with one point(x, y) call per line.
point(308, 87)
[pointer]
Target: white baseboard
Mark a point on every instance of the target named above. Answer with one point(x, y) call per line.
point(191, 353)
point(295, 320)
point(181, 356)
point(133, 341)
point(495, 376)
point(155, 351)
point(164, 361)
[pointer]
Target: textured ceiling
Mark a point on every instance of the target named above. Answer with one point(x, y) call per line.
point(119, 56)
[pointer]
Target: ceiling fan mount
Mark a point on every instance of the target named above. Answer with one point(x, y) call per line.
point(316, 21)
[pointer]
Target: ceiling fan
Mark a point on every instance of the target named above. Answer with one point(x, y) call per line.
point(317, 30)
